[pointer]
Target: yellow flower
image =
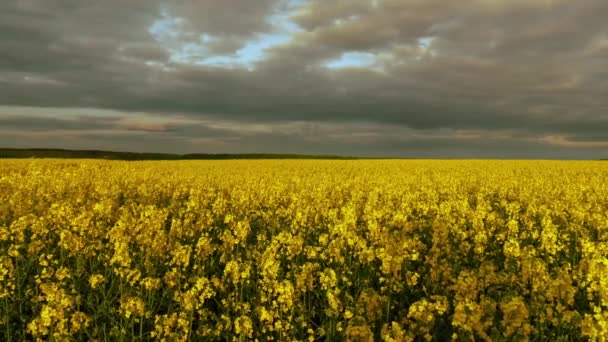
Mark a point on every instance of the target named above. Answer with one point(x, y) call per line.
point(132, 306)
point(96, 280)
point(348, 314)
point(243, 326)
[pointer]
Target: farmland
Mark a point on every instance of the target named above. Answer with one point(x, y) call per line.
point(360, 250)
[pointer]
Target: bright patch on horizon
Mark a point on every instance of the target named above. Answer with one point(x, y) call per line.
point(354, 59)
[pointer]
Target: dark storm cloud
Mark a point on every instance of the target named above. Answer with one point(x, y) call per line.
point(530, 71)
point(37, 124)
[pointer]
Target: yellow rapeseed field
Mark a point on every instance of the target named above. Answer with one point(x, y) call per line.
point(285, 250)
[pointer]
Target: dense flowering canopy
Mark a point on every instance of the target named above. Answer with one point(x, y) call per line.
point(303, 250)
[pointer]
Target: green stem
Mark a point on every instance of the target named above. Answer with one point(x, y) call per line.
point(141, 328)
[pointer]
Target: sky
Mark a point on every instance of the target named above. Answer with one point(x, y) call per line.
point(381, 78)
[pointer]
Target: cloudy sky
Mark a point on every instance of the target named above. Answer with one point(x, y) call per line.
point(395, 78)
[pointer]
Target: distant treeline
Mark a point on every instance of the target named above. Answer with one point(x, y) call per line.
point(113, 155)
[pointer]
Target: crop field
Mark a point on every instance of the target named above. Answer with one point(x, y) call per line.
point(307, 250)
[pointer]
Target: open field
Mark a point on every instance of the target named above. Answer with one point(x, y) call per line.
point(358, 250)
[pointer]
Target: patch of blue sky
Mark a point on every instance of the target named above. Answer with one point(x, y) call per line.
point(283, 24)
point(281, 18)
point(250, 53)
point(425, 42)
point(253, 50)
point(187, 53)
point(166, 30)
point(165, 27)
point(353, 59)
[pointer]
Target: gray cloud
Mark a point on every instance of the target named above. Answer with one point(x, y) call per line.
point(532, 73)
